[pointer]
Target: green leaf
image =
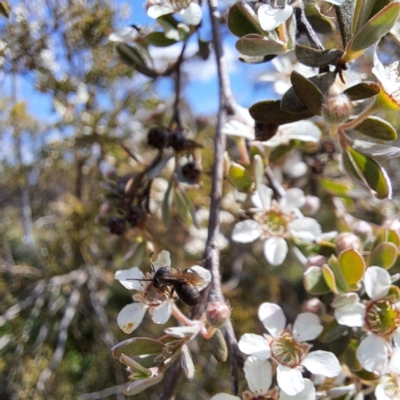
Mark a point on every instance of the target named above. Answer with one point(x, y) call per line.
point(376, 128)
point(352, 266)
point(167, 204)
point(368, 172)
point(332, 331)
point(218, 346)
point(308, 93)
point(255, 60)
point(329, 278)
point(187, 362)
point(255, 45)
point(335, 187)
point(270, 112)
point(240, 177)
point(314, 281)
point(143, 384)
point(132, 58)
point(377, 27)
point(137, 346)
point(5, 8)
point(318, 21)
point(317, 58)
point(365, 10)
point(291, 101)
point(362, 91)
point(386, 235)
point(159, 39)
point(375, 150)
point(340, 280)
point(185, 207)
point(384, 255)
point(241, 20)
point(258, 170)
point(134, 365)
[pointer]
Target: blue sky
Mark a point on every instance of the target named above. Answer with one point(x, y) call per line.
point(201, 91)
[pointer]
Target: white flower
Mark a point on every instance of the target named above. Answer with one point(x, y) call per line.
point(125, 35)
point(258, 374)
point(389, 383)
point(388, 78)
point(306, 131)
point(190, 12)
point(240, 124)
point(271, 17)
point(306, 327)
point(336, 2)
point(275, 222)
point(380, 317)
point(159, 305)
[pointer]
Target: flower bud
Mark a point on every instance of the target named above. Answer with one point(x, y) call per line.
point(156, 137)
point(217, 313)
point(336, 107)
point(313, 305)
point(363, 230)
point(316, 260)
point(312, 205)
point(116, 225)
point(346, 241)
point(393, 224)
point(192, 171)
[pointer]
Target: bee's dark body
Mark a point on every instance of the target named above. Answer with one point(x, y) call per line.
point(182, 282)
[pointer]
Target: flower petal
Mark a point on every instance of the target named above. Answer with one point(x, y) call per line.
point(396, 337)
point(163, 260)
point(255, 345)
point(224, 396)
point(275, 250)
point(322, 362)
point(271, 17)
point(372, 353)
point(306, 327)
point(161, 314)
point(294, 198)
point(262, 198)
point(377, 282)
point(308, 393)
point(246, 231)
point(159, 10)
point(290, 380)
point(306, 229)
point(258, 375)
point(130, 317)
point(192, 14)
point(336, 2)
point(203, 273)
point(181, 332)
point(272, 317)
point(394, 363)
point(128, 278)
point(351, 314)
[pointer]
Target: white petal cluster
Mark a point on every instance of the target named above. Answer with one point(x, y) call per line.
point(374, 350)
point(190, 12)
point(131, 316)
point(289, 374)
point(298, 227)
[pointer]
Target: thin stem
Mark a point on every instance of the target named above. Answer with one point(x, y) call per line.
point(357, 120)
point(303, 26)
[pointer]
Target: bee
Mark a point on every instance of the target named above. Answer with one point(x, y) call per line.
point(187, 284)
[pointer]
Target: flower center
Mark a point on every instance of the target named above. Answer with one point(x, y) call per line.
point(275, 222)
point(383, 318)
point(287, 351)
point(391, 385)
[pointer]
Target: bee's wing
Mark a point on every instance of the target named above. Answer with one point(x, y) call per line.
point(201, 277)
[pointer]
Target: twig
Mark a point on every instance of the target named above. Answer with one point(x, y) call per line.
point(176, 115)
point(102, 394)
point(275, 184)
point(63, 331)
point(303, 26)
